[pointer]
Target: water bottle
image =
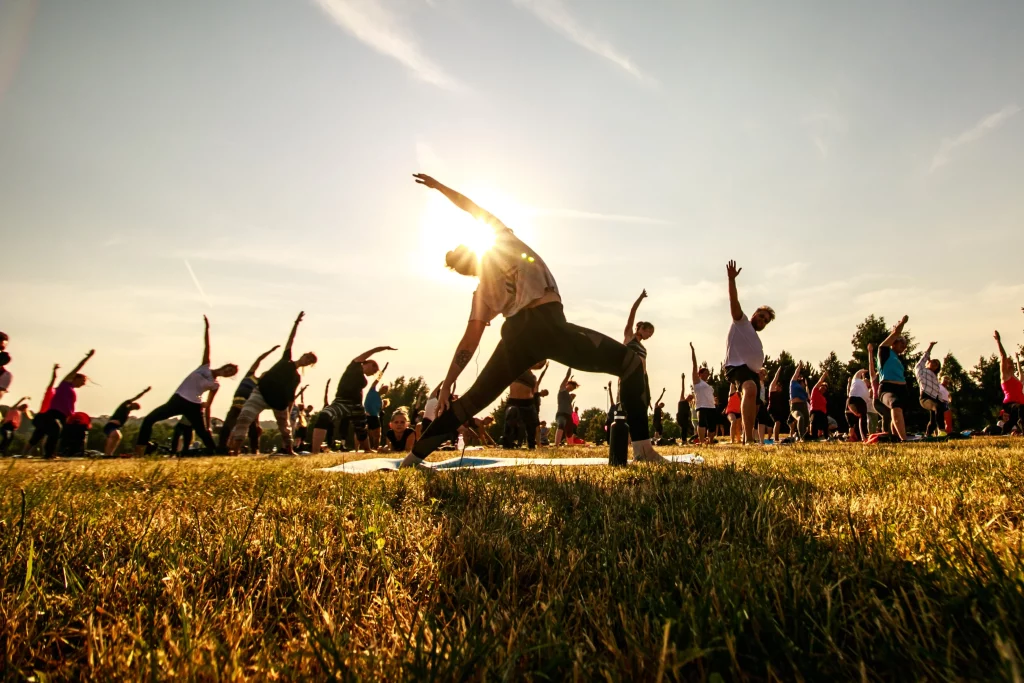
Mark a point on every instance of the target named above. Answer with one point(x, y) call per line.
point(462, 443)
point(618, 441)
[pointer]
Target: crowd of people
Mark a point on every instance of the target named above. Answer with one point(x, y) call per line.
point(515, 282)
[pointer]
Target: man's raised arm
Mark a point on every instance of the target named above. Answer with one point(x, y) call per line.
point(734, 302)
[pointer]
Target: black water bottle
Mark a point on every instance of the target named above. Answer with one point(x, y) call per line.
point(618, 441)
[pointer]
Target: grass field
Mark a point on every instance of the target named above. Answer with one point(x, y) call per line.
point(816, 562)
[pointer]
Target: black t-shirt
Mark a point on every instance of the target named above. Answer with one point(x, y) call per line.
point(657, 415)
point(398, 444)
point(352, 383)
point(278, 384)
point(120, 415)
point(683, 412)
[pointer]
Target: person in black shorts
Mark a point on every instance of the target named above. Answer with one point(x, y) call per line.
point(683, 414)
point(657, 425)
point(119, 419)
point(514, 282)
point(347, 406)
point(778, 406)
point(242, 394)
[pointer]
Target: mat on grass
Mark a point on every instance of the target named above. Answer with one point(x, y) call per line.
point(477, 463)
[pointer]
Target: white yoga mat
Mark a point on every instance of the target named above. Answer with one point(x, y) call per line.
point(477, 463)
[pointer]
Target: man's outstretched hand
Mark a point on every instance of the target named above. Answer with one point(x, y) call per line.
point(731, 270)
point(424, 179)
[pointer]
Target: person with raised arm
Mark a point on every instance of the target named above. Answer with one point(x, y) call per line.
point(275, 390)
point(858, 398)
point(118, 420)
point(744, 353)
point(347, 405)
point(778, 405)
point(683, 415)
point(882, 416)
point(51, 422)
point(927, 373)
point(634, 338)
point(521, 410)
point(657, 425)
point(298, 417)
point(515, 282)
point(1013, 390)
point(563, 414)
point(242, 394)
point(819, 408)
point(798, 403)
point(704, 400)
point(373, 404)
point(12, 423)
point(538, 395)
point(187, 400)
point(892, 377)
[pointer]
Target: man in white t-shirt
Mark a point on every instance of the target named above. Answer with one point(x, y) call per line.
point(704, 401)
point(514, 282)
point(744, 354)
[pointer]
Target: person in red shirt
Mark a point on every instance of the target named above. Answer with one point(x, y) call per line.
point(732, 412)
point(12, 423)
point(819, 409)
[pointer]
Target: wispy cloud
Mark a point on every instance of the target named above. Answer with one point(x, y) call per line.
point(376, 25)
point(557, 16)
point(972, 134)
point(594, 216)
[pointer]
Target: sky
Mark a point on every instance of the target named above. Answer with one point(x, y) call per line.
point(247, 159)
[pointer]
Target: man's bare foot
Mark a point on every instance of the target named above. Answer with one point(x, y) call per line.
point(643, 451)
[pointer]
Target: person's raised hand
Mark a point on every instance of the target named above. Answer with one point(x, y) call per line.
point(643, 294)
point(732, 271)
point(92, 352)
point(424, 179)
point(905, 319)
point(302, 314)
point(995, 335)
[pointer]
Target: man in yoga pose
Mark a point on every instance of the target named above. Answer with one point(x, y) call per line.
point(704, 400)
point(275, 390)
point(893, 387)
point(50, 423)
point(927, 373)
point(187, 401)
point(119, 419)
point(515, 283)
point(348, 402)
point(744, 354)
point(242, 394)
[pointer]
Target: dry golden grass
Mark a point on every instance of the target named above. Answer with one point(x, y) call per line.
point(809, 562)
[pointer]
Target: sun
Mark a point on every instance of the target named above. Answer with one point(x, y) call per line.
point(445, 226)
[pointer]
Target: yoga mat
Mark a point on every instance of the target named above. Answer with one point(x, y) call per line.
point(478, 463)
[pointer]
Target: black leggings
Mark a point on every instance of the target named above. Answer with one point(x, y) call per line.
point(175, 406)
point(521, 415)
point(858, 420)
point(1016, 417)
point(534, 335)
point(819, 424)
point(49, 425)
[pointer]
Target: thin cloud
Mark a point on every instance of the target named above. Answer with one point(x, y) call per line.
point(972, 134)
point(554, 14)
point(374, 24)
point(196, 281)
point(594, 216)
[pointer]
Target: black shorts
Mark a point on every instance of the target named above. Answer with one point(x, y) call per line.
point(110, 428)
point(764, 418)
point(733, 416)
point(893, 395)
point(779, 410)
point(707, 418)
point(300, 433)
point(373, 421)
point(740, 374)
point(857, 406)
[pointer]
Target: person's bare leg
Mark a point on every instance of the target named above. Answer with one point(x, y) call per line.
point(776, 430)
point(749, 410)
point(760, 434)
point(318, 440)
point(558, 438)
point(374, 439)
point(113, 441)
point(898, 425)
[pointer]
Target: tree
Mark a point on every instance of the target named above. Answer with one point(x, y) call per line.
point(591, 427)
point(965, 396)
point(838, 379)
point(410, 394)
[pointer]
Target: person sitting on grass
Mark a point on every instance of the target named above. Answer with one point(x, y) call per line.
point(893, 381)
point(118, 420)
point(819, 408)
point(1013, 391)
point(744, 353)
point(927, 373)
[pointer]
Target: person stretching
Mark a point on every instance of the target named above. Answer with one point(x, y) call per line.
point(521, 411)
point(242, 394)
point(187, 400)
point(857, 401)
point(819, 408)
point(275, 390)
point(659, 411)
point(634, 338)
point(927, 373)
point(744, 354)
point(733, 413)
point(12, 423)
point(946, 399)
point(516, 283)
point(119, 419)
point(704, 400)
point(347, 406)
point(881, 415)
point(1013, 390)
point(399, 438)
point(798, 398)
point(893, 386)
point(778, 406)
point(373, 405)
point(563, 414)
point(50, 423)
point(683, 413)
